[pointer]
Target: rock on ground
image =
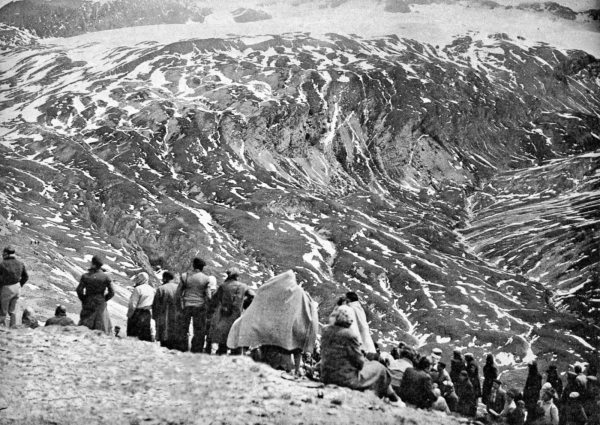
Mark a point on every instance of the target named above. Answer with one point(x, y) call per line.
point(73, 375)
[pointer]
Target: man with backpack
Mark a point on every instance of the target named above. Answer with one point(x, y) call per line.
point(196, 290)
point(229, 301)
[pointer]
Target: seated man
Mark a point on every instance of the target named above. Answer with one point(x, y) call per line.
point(344, 364)
point(416, 387)
point(60, 318)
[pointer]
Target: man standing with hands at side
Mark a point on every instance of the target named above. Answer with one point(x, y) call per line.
point(12, 277)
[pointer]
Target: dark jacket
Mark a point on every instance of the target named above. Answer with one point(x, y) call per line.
point(417, 388)
point(60, 321)
point(95, 283)
point(228, 302)
point(457, 365)
point(574, 414)
point(497, 402)
point(467, 400)
point(490, 372)
point(555, 381)
point(451, 399)
point(12, 271)
point(533, 385)
point(168, 315)
point(473, 371)
point(94, 290)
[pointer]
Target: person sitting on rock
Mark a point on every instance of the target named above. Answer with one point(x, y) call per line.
point(139, 313)
point(416, 387)
point(496, 399)
point(441, 375)
point(508, 412)
point(28, 320)
point(94, 290)
point(519, 415)
point(360, 325)
point(60, 318)
point(449, 395)
point(13, 276)
point(168, 315)
point(228, 301)
point(344, 364)
point(440, 403)
point(399, 366)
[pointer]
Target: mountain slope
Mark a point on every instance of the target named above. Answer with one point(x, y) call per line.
point(372, 165)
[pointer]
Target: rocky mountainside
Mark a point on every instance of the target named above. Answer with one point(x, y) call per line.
point(454, 187)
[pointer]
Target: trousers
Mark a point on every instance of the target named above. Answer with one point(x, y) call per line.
point(9, 295)
point(196, 315)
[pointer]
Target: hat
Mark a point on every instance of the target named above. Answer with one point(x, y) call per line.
point(464, 373)
point(574, 394)
point(468, 355)
point(233, 271)
point(9, 249)
point(141, 278)
point(436, 352)
point(546, 386)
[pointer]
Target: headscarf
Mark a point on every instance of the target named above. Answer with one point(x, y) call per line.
point(140, 279)
point(344, 316)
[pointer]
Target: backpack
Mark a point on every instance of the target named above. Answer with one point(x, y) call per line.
point(229, 300)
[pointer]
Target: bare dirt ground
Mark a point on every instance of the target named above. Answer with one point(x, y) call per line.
point(75, 376)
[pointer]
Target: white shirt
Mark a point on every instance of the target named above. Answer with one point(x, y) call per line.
point(141, 297)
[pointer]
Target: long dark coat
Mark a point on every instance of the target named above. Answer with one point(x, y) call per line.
point(457, 365)
point(228, 302)
point(167, 313)
point(94, 290)
point(467, 400)
point(490, 373)
point(473, 371)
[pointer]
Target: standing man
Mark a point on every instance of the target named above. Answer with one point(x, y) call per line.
point(167, 313)
point(94, 290)
point(139, 315)
point(228, 301)
point(195, 293)
point(12, 277)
